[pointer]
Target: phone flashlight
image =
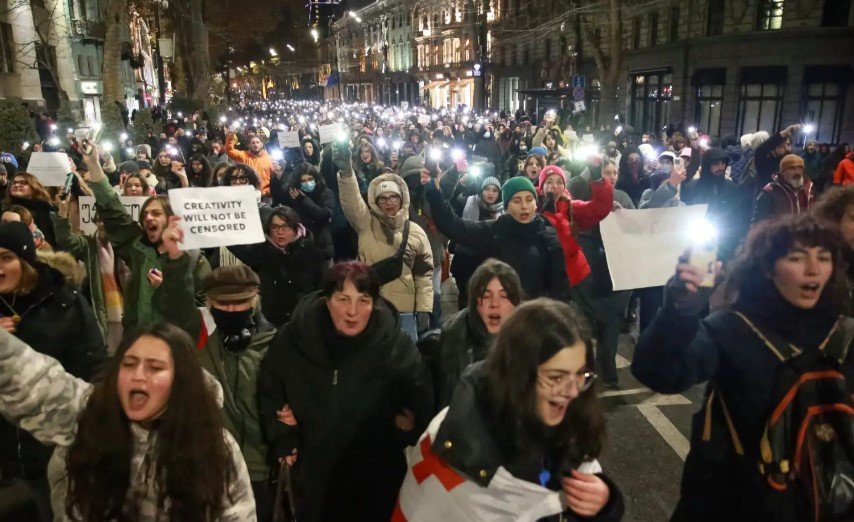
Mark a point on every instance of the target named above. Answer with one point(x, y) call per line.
point(475, 171)
point(397, 144)
point(435, 154)
point(704, 249)
point(277, 155)
point(343, 136)
point(457, 154)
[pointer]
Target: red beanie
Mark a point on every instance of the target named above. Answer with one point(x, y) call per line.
point(550, 170)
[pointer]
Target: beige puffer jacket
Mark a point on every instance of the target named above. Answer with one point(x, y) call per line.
point(413, 290)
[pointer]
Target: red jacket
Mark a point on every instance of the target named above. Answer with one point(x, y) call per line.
point(844, 174)
point(575, 216)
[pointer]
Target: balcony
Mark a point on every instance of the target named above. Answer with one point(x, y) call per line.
point(88, 29)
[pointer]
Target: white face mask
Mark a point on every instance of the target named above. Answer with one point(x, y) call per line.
point(487, 135)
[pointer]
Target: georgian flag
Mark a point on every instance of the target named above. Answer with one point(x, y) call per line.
point(434, 491)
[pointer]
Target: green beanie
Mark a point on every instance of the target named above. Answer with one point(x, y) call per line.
point(515, 185)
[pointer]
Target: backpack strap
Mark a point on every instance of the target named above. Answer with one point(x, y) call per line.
point(839, 340)
point(779, 347)
point(707, 428)
point(401, 250)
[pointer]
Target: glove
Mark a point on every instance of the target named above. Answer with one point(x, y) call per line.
point(422, 322)
point(342, 157)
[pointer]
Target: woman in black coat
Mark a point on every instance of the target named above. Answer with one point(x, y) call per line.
point(306, 192)
point(357, 393)
point(791, 295)
point(288, 263)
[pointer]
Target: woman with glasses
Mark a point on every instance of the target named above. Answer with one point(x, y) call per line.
point(380, 224)
point(27, 191)
point(288, 263)
point(520, 438)
point(242, 174)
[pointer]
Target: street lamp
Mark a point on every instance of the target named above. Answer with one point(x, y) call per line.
point(354, 16)
point(314, 34)
point(273, 52)
point(290, 48)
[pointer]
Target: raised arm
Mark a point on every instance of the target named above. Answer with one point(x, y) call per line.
point(37, 394)
point(476, 234)
point(354, 207)
point(589, 213)
point(231, 150)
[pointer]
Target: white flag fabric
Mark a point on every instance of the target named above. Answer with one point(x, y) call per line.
point(217, 216)
point(643, 246)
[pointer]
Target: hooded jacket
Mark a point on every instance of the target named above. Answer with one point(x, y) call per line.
point(40, 396)
point(236, 371)
point(344, 393)
point(413, 290)
point(728, 208)
point(314, 158)
point(844, 174)
point(778, 198)
point(262, 163)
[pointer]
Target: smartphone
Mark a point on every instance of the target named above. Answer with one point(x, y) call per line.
point(678, 163)
point(705, 255)
point(69, 182)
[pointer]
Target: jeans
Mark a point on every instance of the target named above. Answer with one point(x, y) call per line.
point(409, 325)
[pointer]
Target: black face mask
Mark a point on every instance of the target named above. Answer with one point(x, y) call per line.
point(236, 328)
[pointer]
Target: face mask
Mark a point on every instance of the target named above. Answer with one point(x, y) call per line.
point(308, 186)
point(667, 169)
point(487, 135)
point(235, 328)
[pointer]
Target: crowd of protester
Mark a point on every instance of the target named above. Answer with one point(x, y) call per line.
point(142, 381)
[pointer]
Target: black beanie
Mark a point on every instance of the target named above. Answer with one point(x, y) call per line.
point(16, 237)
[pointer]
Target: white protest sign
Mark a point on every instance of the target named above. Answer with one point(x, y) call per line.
point(133, 204)
point(217, 216)
point(81, 133)
point(289, 139)
point(51, 168)
point(643, 246)
point(423, 119)
point(329, 133)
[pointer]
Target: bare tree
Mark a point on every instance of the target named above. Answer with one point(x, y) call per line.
point(609, 61)
point(40, 53)
point(117, 23)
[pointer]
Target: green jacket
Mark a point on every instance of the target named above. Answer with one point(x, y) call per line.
point(84, 248)
point(236, 372)
point(130, 244)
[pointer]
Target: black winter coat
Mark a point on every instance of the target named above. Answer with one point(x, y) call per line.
point(41, 215)
point(57, 321)
point(532, 249)
point(462, 340)
point(314, 209)
point(472, 440)
point(286, 275)
point(345, 394)
point(679, 350)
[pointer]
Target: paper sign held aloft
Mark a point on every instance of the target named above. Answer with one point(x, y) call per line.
point(51, 168)
point(330, 133)
point(133, 205)
point(424, 119)
point(643, 246)
point(217, 216)
point(289, 139)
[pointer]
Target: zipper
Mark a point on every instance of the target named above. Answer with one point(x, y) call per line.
point(334, 377)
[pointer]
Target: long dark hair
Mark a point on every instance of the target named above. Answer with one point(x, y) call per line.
point(772, 240)
point(205, 177)
point(307, 168)
point(193, 465)
point(244, 169)
point(511, 372)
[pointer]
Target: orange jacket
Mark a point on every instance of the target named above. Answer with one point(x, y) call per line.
point(261, 163)
point(844, 174)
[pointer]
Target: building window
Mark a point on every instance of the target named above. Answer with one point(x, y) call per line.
point(760, 105)
point(651, 93)
point(636, 26)
point(81, 66)
point(7, 48)
point(715, 19)
point(548, 50)
point(709, 86)
point(823, 101)
point(769, 15)
point(673, 31)
point(653, 29)
point(94, 69)
point(835, 13)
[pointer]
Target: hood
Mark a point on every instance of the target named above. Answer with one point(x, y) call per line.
point(403, 213)
point(713, 155)
point(65, 264)
point(309, 319)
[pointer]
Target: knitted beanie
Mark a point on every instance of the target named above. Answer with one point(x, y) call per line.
point(540, 151)
point(550, 170)
point(791, 161)
point(491, 180)
point(16, 237)
point(412, 166)
point(515, 185)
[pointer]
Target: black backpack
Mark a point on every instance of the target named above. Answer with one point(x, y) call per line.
point(807, 446)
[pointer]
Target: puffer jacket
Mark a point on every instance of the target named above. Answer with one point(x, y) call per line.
point(413, 290)
point(236, 372)
point(778, 198)
point(57, 321)
point(844, 174)
point(570, 217)
point(44, 399)
point(262, 163)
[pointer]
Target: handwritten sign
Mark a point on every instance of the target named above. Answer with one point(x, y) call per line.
point(51, 168)
point(424, 119)
point(132, 204)
point(643, 246)
point(217, 216)
point(289, 139)
point(330, 133)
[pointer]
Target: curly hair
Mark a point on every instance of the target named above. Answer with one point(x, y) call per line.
point(511, 372)
point(834, 203)
point(193, 465)
point(773, 239)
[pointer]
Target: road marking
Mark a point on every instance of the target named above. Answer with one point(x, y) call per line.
point(620, 393)
point(666, 400)
point(666, 429)
point(622, 362)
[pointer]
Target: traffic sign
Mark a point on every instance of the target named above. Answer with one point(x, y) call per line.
point(578, 93)
point(579, 80)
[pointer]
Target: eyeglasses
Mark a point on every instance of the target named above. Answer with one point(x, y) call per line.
point(561, 383)
point(240, 179)
point(382, 200)
point(20, 182)
point(279, 228)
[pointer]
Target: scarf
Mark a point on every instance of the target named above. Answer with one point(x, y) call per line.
point(476, 206)
point(284, 250)
point(113, 301)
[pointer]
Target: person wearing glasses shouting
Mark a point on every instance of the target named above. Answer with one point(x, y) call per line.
point(520, 438)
